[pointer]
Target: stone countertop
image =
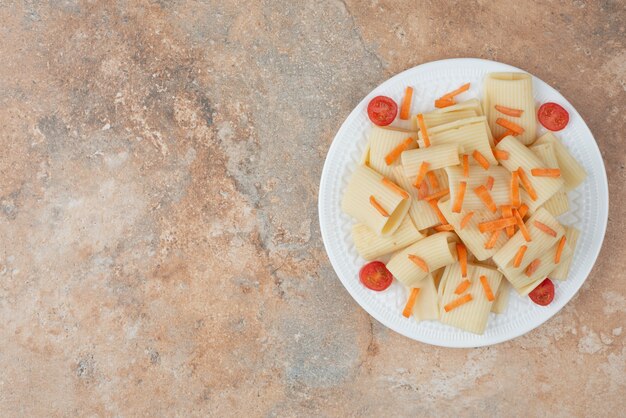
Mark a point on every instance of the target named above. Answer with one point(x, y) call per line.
point(160, 252)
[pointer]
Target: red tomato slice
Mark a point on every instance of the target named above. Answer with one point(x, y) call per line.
point(544, 293)
point(375, 276)
point(552, 116)
point(382, 110)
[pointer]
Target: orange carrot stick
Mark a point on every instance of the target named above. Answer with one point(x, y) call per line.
point(489, 184)
point(422, 191)
point(500, 154)
point(559, 250)
point(462, 287)
point(523, 210)
point(458, 200)
point(466, 219)
point(507, 212)
point(443, 228)
point(458, 302)
point(432, 179)
point(532, 267)
point(546, 172)
point(393, 186)
point(504, 134)
point(516, 113)
point(441, 103)
point(465, 159)
point(491, 242)
point(480, 159)
point(421, 173)
point(464, 87)
point(422, 125)
point(408, 309)
point(483, 194)
point(526, 183)
point(437, 195)
point(419, 262)
point(461, 252)
point(545, 228)
point(497, 224)
point(522, 226)
point(433, 204)
point(406, 103)
point(519, 256)
point(515, 199)
point(379, 208)
point(395, 153)
point(511, 126)
point(487, 289)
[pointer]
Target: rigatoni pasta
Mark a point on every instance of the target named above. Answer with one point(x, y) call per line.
point(420, 211)
point(427, 303)
point(562, 269)
point(558, 204)
point(572, 172)
point(370, 245)
point(383, 140)
point(437, 156)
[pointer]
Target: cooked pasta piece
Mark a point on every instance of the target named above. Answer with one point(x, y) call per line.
point(365, 157)
point(365, 184)
point(463, 110)
point(427, 304)
point(437, 156)
point(558, 203)
point(512, 90)
point(382, 141)
point(562, 269)
point(502, 297)
point(437, 250)
point(472, 104)
point(370, 245)
point(546, 265)
point(420, 211)
point(572, 172)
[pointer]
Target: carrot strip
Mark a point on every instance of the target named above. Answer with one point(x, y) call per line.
point(408, 309)
point(464, 87)
point(532, 267)
point(523, 210)
point(504, 134)
point(379, 208)
point(519, 256)
point(559, 250)
point(516, 113)
point(491, 242)
point(443, 228)
point(526, 183)
point(546, 172)
point(497, 224)
point(461, 252)
point(462, 287)
point(395, 153)
point(500, 154)
point(418, 262)
point(432, 179)
point(465, 159)
point(522, 226)
point(441, 103)
point(484, 195)
point(421, 173)
point(422, 192)
point(480, 159)
point(545, 228)
point(507, 212)
point(489, 184)
point(466, 219)
point(511, 126)
point(433, 204)
point(406, 103)
point(437, 195)
point(393, 186)
point(458, 302)
point(515, 199)
point(422, 125)
point(487, 289)
point(458, 200)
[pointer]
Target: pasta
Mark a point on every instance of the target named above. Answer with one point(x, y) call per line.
point(546, 265)
point(370, 245)
point(427, 304)
point(562, 270)
point(437, 156)
point(419, 210)
point(364, 184)
point(502, 297)
point(513, 90)
point(572, 172)
point(382, 141)
point(365, 158)
point(558, 203)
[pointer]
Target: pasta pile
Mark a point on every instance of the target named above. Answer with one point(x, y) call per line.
point(463, 204)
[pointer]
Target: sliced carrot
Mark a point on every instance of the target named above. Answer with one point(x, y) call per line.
point(437, 195)
point(462, 287)
point(497, 224)
point(465, 160)
point(545, 228)
point(487, 289)
point(483, 194)
point(395, 153)
point(433, 204)
point(421, 173)
point(458, 200)
point(441, 103)
point(532, 267)
point(507, 212)
point(432, 179)
point(422, 191)
point(419, 262)
point(511, 126)
point(504, 134)
point(559, 250)
point(393, 186)
point(443, 228)
point(466, 219)
point(422, 125)
point(458, 302)
point(523, 210)
point(526, 183)
point(522, 226)
point(464, 87)
point(461, 252)
point(491, 242)
point(408, 308)
point(519, 256)
point(546, 172)
point(405, 109)
point(509, 112)
point(500, 154)
point(515, 199)
point(480, 159)
point(379, 208)
point(489, 184)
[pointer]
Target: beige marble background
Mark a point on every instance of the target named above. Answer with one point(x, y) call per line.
point(160, 253)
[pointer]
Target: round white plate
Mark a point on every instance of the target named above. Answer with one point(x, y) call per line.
point(588, 206)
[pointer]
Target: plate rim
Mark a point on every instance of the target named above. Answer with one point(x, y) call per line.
point(519, 331)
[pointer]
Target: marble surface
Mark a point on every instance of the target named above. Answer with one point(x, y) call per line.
point(160, 252)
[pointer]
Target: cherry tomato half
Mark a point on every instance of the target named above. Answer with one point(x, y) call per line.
point(544, 293)
point(375, 276)
point(382, 110)
point(552, 116)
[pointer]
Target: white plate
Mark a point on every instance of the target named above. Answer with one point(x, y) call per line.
point(589, 206)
